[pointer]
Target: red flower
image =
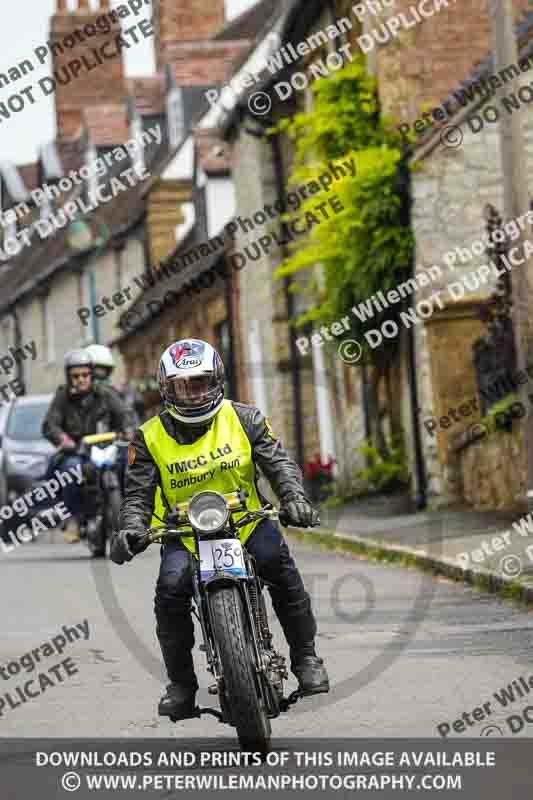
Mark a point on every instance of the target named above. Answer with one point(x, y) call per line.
point(316, 468)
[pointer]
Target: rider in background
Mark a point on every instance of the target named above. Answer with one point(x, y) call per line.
point(103, 367)
point(201, 441)
point(79, 408)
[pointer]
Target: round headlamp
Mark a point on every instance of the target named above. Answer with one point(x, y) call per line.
point(208, 512)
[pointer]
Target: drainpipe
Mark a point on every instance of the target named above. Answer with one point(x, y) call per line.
point(421, 493)
point(18, 343)
point(289, 299)
point(421, 483)
point(95, 325)
point(228, 298)
point(366, 407)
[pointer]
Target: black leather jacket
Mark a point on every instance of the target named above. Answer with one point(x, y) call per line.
point(99, 411)
point(268, 454)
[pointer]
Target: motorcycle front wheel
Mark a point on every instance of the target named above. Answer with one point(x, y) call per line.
point(108, 523)
point(240, 686)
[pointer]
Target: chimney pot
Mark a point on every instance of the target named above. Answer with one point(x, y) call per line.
point(83, 4)
point(62, 5)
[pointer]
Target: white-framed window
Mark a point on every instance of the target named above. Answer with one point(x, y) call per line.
point(175, 116)
point(92, 183)
point(136, 131)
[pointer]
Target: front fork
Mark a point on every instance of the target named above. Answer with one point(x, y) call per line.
point(210, 644)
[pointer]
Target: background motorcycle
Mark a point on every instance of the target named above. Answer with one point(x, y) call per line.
point(101, 468)
point(231, 610)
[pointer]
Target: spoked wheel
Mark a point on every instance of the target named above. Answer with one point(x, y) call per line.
point(108, 524)
point(242, 695)
point(96, 540)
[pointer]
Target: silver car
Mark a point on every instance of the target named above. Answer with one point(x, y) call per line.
point(25, 454)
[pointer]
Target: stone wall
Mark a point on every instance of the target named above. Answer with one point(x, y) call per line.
point(420, 67)
point(493, 471)
point(450, 189)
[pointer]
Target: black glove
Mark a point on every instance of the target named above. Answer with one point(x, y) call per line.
point(298, 512)
point(125, 545)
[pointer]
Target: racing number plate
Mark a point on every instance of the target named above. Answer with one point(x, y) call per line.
point(221, 554)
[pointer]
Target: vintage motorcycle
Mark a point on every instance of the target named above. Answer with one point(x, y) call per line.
point(231, 610)
point(101, 487)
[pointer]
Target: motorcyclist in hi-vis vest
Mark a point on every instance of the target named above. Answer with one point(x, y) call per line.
point(202, 441)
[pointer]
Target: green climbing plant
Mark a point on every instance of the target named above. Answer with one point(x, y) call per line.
point(367, 246)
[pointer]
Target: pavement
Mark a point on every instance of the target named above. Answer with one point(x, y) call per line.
point(491, 549)
point(406, 652)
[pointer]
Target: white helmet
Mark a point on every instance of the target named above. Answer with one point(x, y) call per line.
point(101, 356)
point(191, 381)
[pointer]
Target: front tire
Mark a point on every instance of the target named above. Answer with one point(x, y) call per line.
point(240, 685)
point(108, 525)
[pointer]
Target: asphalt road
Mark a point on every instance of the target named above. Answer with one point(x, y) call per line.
point(405, 652)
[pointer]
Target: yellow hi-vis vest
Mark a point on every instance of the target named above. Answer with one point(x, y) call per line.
point(220, 460)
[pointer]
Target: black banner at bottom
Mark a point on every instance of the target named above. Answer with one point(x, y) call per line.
point(384, 768)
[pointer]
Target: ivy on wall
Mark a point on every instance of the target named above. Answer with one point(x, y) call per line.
point(368, 246)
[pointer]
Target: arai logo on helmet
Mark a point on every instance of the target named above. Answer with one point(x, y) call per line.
point(188, 355)
point(187, 362)
point(176, 352)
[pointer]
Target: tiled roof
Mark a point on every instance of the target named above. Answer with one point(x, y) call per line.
point(249, 24)
point(107, 125)
point(45, 256)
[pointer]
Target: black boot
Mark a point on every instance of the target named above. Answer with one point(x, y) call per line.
point(310, 670)
point(299, 627)
point(176, 639)
point(179, 702)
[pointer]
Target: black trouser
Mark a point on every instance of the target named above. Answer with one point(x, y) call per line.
point(274, 564)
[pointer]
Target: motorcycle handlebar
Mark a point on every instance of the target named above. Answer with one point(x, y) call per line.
point(99, 438)
point(163, 534)
point(95, 438)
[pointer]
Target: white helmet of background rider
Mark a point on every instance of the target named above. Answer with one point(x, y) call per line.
point(191, 381)
point(103, 361)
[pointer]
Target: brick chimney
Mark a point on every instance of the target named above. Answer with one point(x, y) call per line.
point(99, 80)
point(182, 31)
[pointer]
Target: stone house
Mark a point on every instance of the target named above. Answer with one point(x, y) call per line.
point(315, 402)
point(194, 291)
point(416, 70)
point(454, 182)
point(68, 287)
